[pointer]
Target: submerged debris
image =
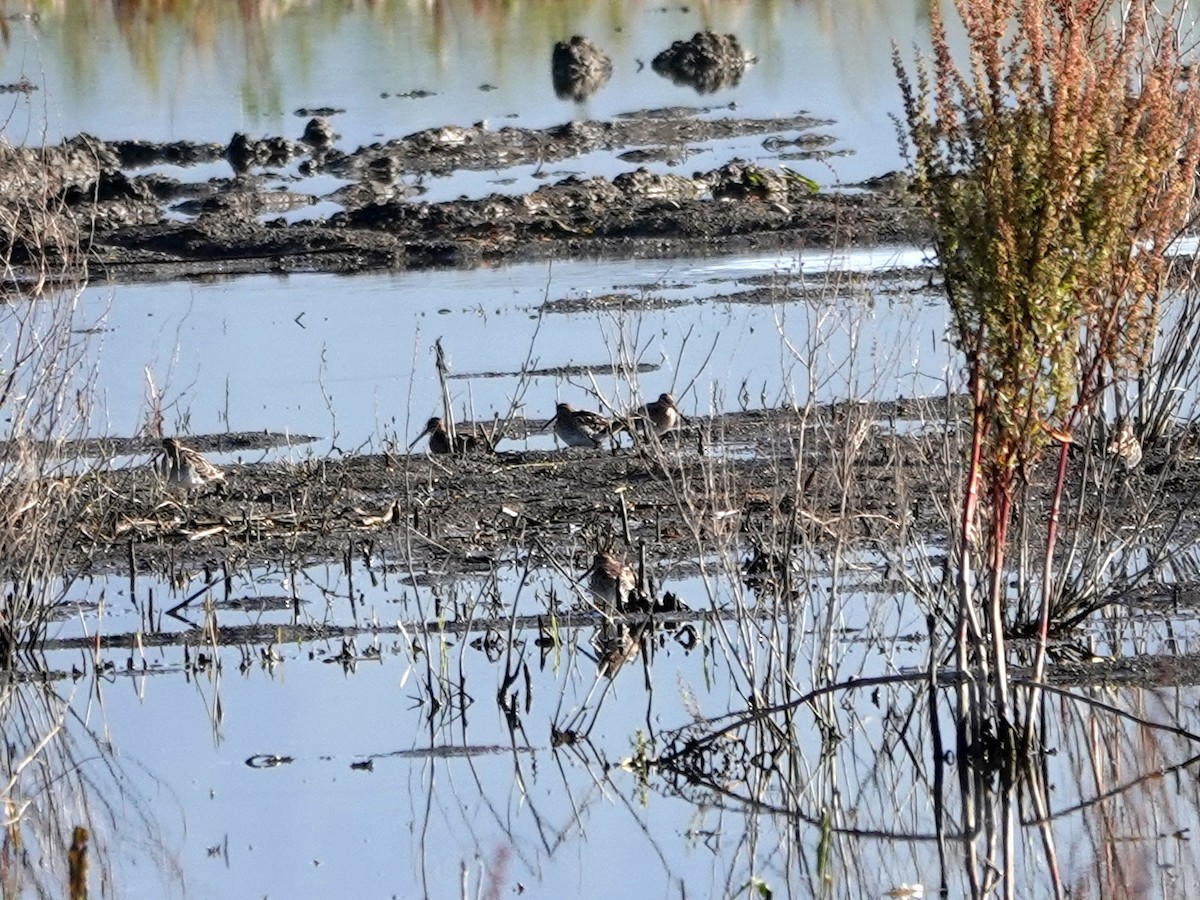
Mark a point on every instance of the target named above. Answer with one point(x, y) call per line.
point(244, 152)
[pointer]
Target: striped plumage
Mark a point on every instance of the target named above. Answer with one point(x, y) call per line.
point(611, 582)
point(1126, 446)
point(439, 439)
point(580, 427)
point(663, 415)
point(183, 465)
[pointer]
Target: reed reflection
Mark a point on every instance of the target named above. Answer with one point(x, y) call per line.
point(73, 816)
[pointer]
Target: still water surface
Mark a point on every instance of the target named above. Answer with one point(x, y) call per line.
point(193, 808)
point(205, 71)
point(351, 360)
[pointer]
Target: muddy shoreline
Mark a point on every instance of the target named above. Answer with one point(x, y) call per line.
point(726, 489)
point(443, 519)
point(454, 511)
point(728, 481)
point(138, 216)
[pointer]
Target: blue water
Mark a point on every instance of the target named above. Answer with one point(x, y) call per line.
point(160, 760)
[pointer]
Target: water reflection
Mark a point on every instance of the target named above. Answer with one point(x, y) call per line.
point(203, 344)
point(892, 797)
point(205, 70)
point(76, 813)
point(488, 728)
point(475, 742)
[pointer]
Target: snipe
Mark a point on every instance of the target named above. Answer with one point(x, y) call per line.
point(612, 582)
point(580, 427)
point(439, 439)
point(662, 415)
point(185, 466)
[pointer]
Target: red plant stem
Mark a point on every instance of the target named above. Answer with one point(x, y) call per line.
point(1090, 382)
point(1002, 517)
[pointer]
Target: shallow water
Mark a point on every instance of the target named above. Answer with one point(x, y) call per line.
point(358, 364)
point(510, 810)
point(321, 766)
point(239, 779)
point(213, 69)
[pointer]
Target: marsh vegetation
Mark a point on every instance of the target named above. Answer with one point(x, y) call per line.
point(831, 640)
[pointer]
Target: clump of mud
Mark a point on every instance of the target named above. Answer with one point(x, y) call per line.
point(579, 68)
point(708, 62)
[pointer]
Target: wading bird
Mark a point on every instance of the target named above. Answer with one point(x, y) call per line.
point(611, 582)
point(1126, 446)
point(183, 465)
point(662, 415)
point(439, 439)
point(579, 427)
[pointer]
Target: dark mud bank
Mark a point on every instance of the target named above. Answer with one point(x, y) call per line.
point(774, 494)
point(135, 224)
point(729, 478)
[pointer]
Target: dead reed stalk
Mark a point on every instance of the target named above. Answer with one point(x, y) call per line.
point(45, 387)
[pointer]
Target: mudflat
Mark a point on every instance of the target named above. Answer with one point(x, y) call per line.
point(137, 225)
